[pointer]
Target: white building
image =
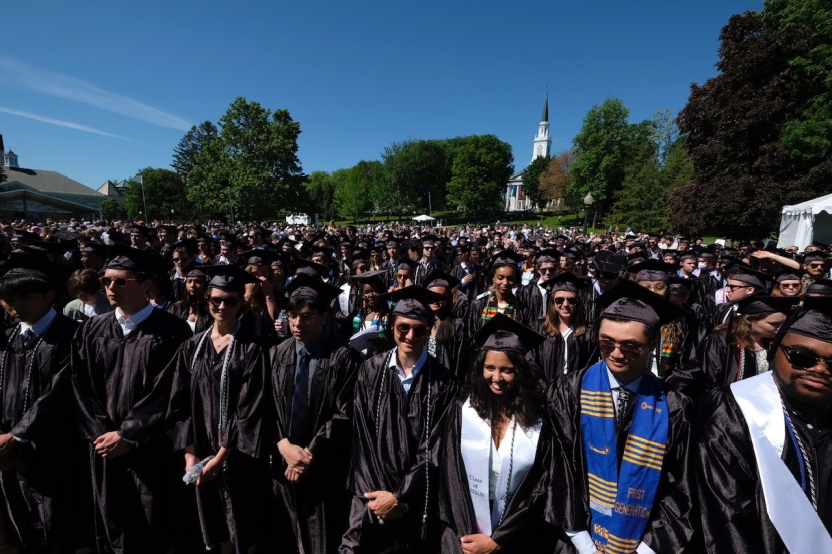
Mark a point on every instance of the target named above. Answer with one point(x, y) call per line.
point(515, 198)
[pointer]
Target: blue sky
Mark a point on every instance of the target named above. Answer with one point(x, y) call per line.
point(98, 90)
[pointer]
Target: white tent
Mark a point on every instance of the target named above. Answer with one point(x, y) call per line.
point(807, 222)
point(423, 217)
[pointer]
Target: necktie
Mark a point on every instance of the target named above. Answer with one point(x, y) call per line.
point(623, 402)
point(300, 401)
point(27, 336)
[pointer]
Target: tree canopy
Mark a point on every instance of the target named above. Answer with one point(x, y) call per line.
point(109, 208)
point(531, 180)
point(251, 166)
point(161, 191)
point(481, 169)
point(759, 132)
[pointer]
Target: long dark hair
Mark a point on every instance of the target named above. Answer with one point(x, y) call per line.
point(527, 398)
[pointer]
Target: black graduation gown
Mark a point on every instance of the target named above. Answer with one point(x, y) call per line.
point(474, 320)
point(582, 352)
point(231, 506)
point(390, 442)
point(182, 311)
point(671, 527)
point(734, 516)
point(123, 384)
point(423, 272)
point(36, 395)
point(452, 354)
point(589, 296)
point(531, 296)
point(523, 528)
point(317, 506)
point(718, 364)
point(477, 286)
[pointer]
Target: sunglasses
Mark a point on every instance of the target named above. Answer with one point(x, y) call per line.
point(546, 270)
point(119, 281)
point(180, 260)
point(561, 299)
point(802, 359)
point(628, 349)
point(789, 285)
point(404, 329)
point(229, 301)
point(816, 266)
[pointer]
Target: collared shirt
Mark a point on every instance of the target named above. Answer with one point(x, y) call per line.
point(313, 349)
point(407, 380)
point(544, 294)
point(128, 324)
point(615, 383)
point(41, 325)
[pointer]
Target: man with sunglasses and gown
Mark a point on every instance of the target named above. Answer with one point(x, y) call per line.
point(765, 449)
point(623, 440)
point(401, 397)
point(122, 377)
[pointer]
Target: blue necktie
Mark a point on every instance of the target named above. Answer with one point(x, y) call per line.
point(300, 401)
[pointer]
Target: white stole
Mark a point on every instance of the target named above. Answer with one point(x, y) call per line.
point(344, 299)
point(475, 446)
point(796, 521)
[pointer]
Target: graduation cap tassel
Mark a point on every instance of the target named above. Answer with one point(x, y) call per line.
point(797, 310)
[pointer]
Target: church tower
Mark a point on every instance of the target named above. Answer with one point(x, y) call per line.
point(542, 142)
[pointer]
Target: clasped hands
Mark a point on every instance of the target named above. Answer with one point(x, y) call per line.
point(111, 445)
point(298, 459)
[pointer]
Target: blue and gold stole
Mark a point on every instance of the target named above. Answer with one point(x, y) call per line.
point(620, 500)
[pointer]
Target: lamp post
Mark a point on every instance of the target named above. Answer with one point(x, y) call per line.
point(171, 215)
point(588, 200)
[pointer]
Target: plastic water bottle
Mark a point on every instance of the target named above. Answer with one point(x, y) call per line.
point(193, 474)
point(283, 319)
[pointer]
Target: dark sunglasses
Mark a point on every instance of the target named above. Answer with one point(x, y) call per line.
point(418, 330)
point(802, 359)
point(229, 301)
point(118, 281)
point(629, 350)
point(571, 301)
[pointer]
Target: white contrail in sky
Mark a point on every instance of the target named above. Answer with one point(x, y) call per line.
point(59, 85)
point(59, 122)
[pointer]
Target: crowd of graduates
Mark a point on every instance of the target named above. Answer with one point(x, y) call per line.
point(397, 389)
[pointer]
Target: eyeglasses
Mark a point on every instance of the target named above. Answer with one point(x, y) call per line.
point(546, 270)
point(180, 260)
point(789, 285)
point(404, 329)
point(427, 248)
point(733, 287)
point(229, 301)
point(802, 359)
point(628, 349)
point(118, 281)
point(817, 266)
point(656, 288)
point(569, 300)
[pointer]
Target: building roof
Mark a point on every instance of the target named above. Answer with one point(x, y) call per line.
point(47, 182)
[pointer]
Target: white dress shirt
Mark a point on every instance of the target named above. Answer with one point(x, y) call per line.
point(128, 324)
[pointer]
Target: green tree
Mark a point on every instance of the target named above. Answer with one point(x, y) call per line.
point(531, 176)
point(354, 186)
point(481, 169)
point(320, 187)
point(412, 169)
point(251, 168)
point(162, 190)
point(109, 209)
point(555, 181)
point(603, 149)
point(758, 133)
point(191, 145)
point(640, 203)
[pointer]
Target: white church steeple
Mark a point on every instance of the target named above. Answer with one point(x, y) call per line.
point(542, 142)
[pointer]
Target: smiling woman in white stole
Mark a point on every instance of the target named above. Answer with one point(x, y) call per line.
point(494, 444)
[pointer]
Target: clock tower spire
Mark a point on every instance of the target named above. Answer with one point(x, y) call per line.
point(542, 142)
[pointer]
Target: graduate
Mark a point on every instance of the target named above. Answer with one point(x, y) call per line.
point(625, 442)
point(36, 462)
point(121, 379)
point(401, 397)
point(218, 408)
point(765, 447)
point(494, 444)
point(447, 336)
point(535, 294)
point(192, 307)
point(312, 381)
point(570, 343)
point(500, 297)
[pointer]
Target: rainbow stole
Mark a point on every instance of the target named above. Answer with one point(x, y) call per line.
point(620, 499)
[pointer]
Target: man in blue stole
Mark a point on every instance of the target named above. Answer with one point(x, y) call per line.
point(621, 482)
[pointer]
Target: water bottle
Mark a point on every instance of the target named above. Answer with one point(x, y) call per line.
point(356, 323)
point(193, 474)
point(283, 319)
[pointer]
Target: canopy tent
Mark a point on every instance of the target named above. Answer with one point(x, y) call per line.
point(807, 222)
point(423, 217)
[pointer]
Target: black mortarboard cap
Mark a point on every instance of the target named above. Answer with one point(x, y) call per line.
point(229, 277)
point(406, 263)
point(199, 270)
point(815, 256)
point(565, 282)
point(503, 334)
point(652, 270)
point(358, 256)
point(372, 278)
point(631, 302)
point(140, 229)
point(185, 245)
point(126, 258)
point(789, 274)
point(308, 267)
point(257, 257)
point(744, 273)
point(681, 283)
point(608, 262)
point(305, 287)
point(816, 320)
point(820, 287)
point(505, 257)
point(27, 261)
point(763, 303)
point(413, 302)
point(94, 247)
point(442, 279)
